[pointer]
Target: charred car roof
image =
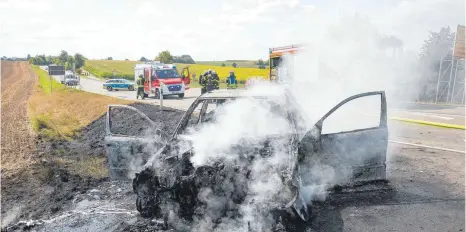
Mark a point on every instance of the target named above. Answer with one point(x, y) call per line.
point(238, 93)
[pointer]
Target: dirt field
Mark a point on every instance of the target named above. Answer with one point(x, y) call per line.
point(16, 143)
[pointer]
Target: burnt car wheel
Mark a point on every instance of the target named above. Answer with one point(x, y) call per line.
point(147, 200)
point(146, 205)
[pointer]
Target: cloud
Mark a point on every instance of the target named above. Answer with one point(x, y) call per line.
point(206, 29)
point(25, 6)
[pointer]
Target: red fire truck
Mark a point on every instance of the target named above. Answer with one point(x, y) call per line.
point(162, 78)
point(275, 58)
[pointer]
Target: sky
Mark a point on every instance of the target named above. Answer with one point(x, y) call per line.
point(204, 29)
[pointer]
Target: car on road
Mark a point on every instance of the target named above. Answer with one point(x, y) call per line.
point(71, 80)
point(357, 157)
point(118, 84)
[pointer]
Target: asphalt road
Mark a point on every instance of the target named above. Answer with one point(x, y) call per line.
point(450, 114)
point(94, 85)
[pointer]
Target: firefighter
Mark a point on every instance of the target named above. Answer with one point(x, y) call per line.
point(203, 82)
point(214, 80)
point(209, 81)
point(140, 83)
point(231, 81)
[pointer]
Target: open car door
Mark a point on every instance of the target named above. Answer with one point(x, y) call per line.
point(186, 77)
point(350, 142)
point(130, 138)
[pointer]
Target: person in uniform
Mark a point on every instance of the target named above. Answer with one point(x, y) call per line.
point(231, 81)
point(140, 83)
point(214, 80)
point(203, 82)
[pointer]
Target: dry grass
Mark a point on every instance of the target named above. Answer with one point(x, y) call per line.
point(62, 113)
point(95, 167)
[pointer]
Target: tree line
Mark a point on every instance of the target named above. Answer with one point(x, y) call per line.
point(438, 46)
point(63, 59)
point(167, 58)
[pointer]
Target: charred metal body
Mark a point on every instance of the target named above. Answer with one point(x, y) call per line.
point(175, 179)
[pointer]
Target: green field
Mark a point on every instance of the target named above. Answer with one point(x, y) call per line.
point(240, 64)
point(104, 68)
point(125, 69)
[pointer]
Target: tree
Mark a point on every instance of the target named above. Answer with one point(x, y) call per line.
point(109, 58)
point(164, 57)
point(143, 59)
point(28, 57)
point(63, 57)
point(234, 65)
point(69, 63)
point(56, 60)
point(80, 60)
point(437, 46)
point(183, 59)
point(260, 62)
point(223, 65)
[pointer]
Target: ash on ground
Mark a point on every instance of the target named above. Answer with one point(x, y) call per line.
point(49, 191)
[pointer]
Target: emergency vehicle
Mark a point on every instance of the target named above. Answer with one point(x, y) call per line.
point(275, 58)
point(162, 78)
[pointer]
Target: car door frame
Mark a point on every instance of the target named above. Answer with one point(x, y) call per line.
point(115, 172)
point(186, 79)
point(311, 143)
point(184, 120)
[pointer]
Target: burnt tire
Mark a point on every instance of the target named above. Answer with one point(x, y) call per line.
point(181, 95)
point(147, 200)
point(109, 88)
point(146, 206)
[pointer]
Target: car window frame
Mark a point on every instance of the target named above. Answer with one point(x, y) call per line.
point(383, 112)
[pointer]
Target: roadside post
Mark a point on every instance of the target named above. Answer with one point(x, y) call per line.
point(114, 73)
point(161, 95)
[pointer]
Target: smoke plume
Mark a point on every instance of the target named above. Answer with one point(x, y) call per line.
point(343, 60)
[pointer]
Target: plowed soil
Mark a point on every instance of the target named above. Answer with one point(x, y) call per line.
point(17, 145)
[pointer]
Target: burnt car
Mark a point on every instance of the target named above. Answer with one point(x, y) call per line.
point(357, 156)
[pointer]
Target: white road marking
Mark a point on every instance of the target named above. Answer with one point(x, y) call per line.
point(427, 113)
point(432, 115)
point(425, 146)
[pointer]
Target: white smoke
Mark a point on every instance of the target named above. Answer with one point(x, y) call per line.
point(341, 61)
